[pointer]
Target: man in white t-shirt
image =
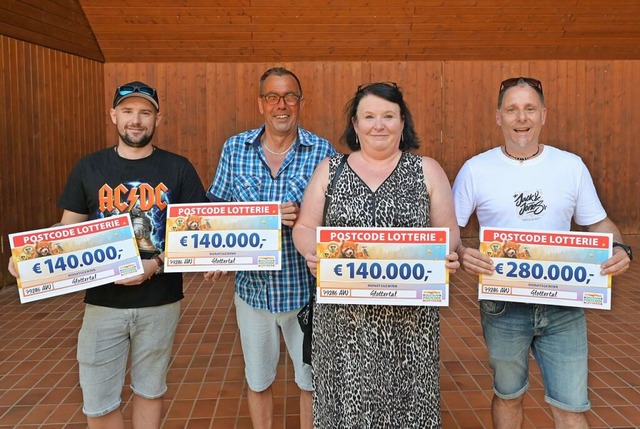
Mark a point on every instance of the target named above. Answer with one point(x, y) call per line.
point(524, 184)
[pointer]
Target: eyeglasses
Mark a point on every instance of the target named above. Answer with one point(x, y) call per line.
point(128, 89)
point(533, 83)
point(366, 86)
point(289, 98)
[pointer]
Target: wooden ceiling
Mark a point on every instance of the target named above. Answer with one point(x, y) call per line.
point(342, 30)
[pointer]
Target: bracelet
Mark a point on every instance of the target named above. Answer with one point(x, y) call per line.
point(158, 260)
point(160, 263)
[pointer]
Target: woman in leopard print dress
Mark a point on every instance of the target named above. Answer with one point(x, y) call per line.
point(377, 366)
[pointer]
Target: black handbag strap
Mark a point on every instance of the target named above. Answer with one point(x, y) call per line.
point(331, 187)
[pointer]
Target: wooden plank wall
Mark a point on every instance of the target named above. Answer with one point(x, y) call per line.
point(56, 106)
point(50, 116)
point(592, 110)
point(60, 25)
point(205, 103)
point(363, 30)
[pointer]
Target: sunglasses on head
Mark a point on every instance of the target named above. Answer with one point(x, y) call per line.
point(511, 82)
point(128, 89)
point(366, 86)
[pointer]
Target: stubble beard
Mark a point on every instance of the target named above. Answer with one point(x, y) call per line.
point(142, 142)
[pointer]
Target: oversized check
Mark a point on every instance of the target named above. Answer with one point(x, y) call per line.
point(383, 266)
point(223, 236)
point(58, 260)
point(547, 267)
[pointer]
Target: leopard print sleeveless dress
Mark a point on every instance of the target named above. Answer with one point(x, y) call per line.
point(377, 366)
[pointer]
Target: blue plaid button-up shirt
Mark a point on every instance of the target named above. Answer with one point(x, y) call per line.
point(243, 175)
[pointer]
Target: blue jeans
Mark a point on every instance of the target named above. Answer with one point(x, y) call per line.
point(557, 337)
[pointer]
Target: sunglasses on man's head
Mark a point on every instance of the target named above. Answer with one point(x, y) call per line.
point(128, 89)
point(511, 82)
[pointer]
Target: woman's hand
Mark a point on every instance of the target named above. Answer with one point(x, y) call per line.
point(452, 262)
point(312, 263)
point(12, 268)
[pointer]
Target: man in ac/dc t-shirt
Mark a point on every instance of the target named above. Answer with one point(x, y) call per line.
point(139, 314)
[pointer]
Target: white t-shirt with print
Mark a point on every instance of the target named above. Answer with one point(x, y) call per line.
point(542, 193)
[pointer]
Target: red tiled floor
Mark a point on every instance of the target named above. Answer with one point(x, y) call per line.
point(39, 381)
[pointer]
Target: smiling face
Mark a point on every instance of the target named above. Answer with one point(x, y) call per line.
point(378, 123)
point(280, 118)
point(136, 120)
point(521, 116)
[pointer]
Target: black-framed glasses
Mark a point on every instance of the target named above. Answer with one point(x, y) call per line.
point(511, 82)
point(128, 89)
point(366, 86)
point(289, 98)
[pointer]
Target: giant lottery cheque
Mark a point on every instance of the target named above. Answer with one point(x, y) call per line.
point(391, 266)
point(63, 259)
point(546, 267)
point(223, 236)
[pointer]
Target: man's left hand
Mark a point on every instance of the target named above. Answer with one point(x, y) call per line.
point(150, 267)
point(289, 213)
point(617, 264)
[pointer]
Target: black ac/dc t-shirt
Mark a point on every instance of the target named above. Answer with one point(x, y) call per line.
point(103, 184)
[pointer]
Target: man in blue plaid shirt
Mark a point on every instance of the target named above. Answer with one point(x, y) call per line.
point(272, 163)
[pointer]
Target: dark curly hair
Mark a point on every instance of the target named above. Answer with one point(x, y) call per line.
point(390, 92)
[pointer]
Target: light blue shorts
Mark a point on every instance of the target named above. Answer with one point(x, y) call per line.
point(104, 341)
point(557, 337)
point(260, 336)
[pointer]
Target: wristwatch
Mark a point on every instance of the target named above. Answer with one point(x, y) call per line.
point(625, 248)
